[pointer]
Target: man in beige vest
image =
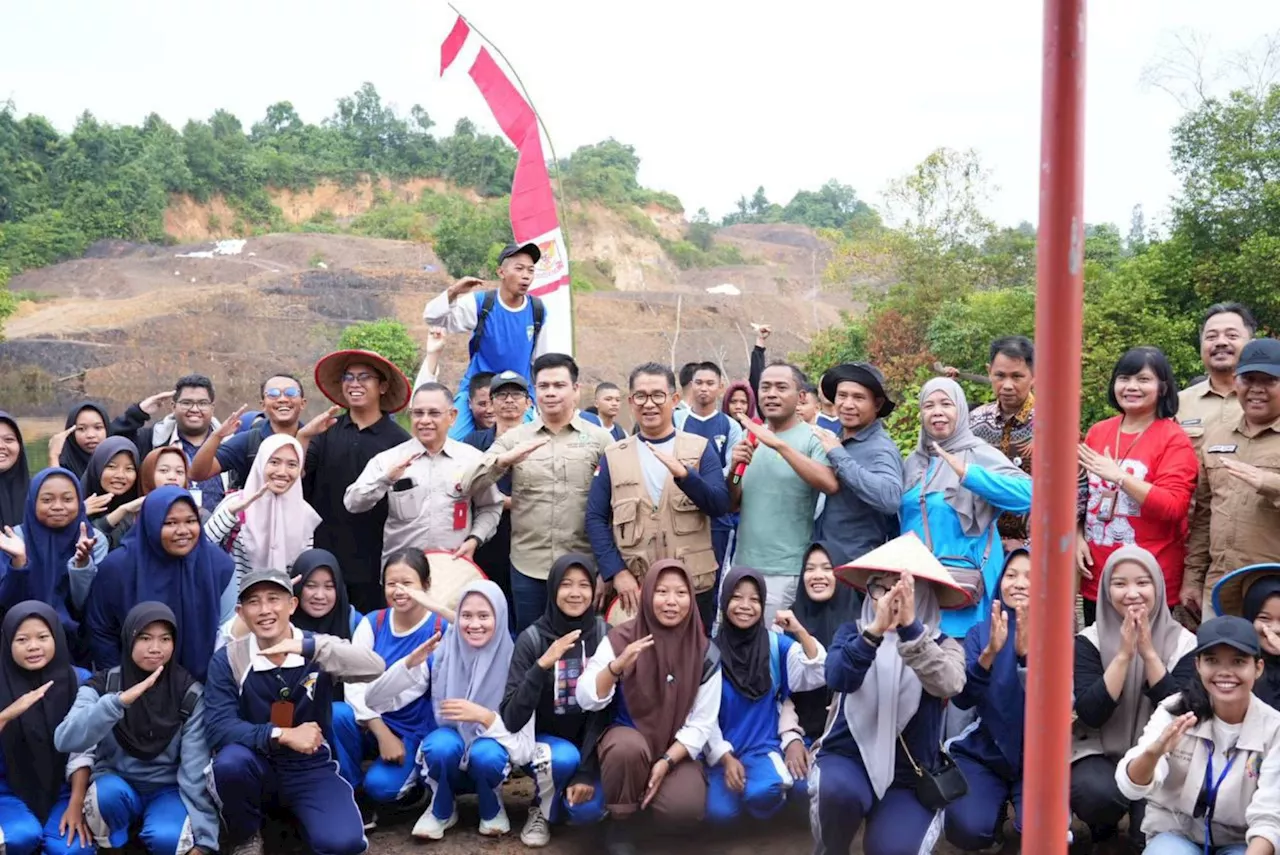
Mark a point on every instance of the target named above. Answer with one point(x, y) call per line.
point(654, 496)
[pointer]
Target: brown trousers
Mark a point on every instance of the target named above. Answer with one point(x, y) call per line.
point(625, 764)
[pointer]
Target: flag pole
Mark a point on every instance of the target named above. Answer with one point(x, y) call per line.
point(551, 146)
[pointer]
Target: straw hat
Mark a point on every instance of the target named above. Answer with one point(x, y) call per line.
point(449, 575)
point(616, 614)
point(330, 368)
point(1229, 593)
point(906, 553)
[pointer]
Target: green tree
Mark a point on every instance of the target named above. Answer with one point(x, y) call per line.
point(7, 301)
point(832, 206)
point(468, 238)
point(386, 337)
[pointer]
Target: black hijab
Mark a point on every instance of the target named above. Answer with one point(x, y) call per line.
point(554, 623)
point(14, 480)
point(36, 768)
point(150, 722)
point(744, 653)
point(1267, 688)
point(102, 455)
point(74, 457)
point(822, 619)
point(337, 621)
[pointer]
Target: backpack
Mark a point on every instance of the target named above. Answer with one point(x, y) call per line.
point(486, 309)
point(185, 709)
point(235, 481)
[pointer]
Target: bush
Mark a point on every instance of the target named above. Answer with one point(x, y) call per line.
point(386, 337)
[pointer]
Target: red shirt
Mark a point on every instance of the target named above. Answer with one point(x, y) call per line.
point(1163, 456)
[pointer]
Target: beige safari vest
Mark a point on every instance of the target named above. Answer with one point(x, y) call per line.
point(674, 528)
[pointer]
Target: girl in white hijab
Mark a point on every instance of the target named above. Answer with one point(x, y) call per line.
point(891, 671)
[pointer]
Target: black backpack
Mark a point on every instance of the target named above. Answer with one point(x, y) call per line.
point(235, 481)
point(189, 700)
point(486, 308)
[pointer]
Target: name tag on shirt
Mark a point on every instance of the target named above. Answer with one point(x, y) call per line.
point(1222, 449)
point(1191, 422)
point(460, 514)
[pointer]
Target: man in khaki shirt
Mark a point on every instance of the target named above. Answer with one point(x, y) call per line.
point(552, 461)
point(1236, 521)
point(1227, 328)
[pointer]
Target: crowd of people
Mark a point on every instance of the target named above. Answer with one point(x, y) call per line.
point(746, 604)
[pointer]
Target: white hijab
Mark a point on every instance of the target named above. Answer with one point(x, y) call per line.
point(890, 693)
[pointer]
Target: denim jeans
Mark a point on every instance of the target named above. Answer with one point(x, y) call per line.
point(528, 599)
point(1170, 843)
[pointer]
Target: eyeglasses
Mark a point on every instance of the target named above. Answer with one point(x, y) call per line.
point(361, 378)
point(878, 589)
point(1258, 379)
point(434, 415)
point(194, 405)
point(642, 398)
point(291, 392)
point(510, 395)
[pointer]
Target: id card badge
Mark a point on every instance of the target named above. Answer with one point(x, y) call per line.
point(1107, 505)
point(460, 509)
point(282, 714)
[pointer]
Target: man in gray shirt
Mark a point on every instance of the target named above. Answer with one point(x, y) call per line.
point(863, 514)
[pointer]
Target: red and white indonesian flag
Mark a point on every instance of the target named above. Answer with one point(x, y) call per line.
point(533, 205)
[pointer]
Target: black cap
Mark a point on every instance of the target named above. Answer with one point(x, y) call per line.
point(1229, 630)
point(862, 373)
point(529, 249)
point(508, 378)
point(1262, 355)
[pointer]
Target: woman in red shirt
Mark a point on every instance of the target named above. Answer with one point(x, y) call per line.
point(1142, 474)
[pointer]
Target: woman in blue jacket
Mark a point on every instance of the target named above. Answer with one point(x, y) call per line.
point(989, 752)
point(166, 558)
point(956, 488)
point(760, 668)
point(42, 790)
point(143, 721)
point(53, 556)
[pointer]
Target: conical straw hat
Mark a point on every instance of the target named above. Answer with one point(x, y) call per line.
point(449, 575)
point(616, 614)
point(906, 554)
point(1229, 593)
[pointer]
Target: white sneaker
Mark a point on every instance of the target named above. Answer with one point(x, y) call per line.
point(429, 828)
point(497, 826)
point(536, 833)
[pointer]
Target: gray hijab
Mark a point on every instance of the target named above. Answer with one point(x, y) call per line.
point(476, 674)
point(890, 693)
point(975, 513)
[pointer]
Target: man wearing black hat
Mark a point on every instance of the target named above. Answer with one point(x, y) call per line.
point(504, 324)
point(1236, 521)
point(863, 514)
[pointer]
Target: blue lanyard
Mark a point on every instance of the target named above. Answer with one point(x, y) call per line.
point(1211, 796)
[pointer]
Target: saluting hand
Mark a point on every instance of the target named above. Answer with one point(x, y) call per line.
point(395, 473)
point(422, 651)
point(630, 654)
point(1172, 735)
point(24, 702)
point(558, 648)
point(957, 464)
point(13, 546)
point(152, 405)
point(320, 423)
point(242, 502)
point(231, 426)
point(677, 469)
point(131, 694)
point(521, 452)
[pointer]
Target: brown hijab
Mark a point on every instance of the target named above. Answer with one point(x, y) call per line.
point(663, 684)
point(149, 463)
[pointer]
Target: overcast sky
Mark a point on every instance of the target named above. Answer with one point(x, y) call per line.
point(717, 97)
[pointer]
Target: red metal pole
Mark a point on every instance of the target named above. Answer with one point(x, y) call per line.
point(1059, 295)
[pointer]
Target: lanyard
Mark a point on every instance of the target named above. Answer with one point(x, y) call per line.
point(1211, 796)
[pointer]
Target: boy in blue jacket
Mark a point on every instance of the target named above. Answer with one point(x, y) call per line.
point(269, 699)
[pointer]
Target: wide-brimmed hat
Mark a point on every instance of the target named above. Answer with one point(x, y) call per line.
point(616, 614)
point(330, 368)
point(1229, 593)
point(450, 575)
point(906, 554)
point(862, 373)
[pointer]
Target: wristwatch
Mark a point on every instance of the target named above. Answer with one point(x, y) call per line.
point(671, 764)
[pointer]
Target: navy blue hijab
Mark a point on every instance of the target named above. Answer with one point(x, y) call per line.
point(190, 585)
point(15, 480)
point(1003, 705)
point(49, 549)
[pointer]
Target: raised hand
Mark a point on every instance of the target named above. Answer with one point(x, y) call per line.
point(906, 600)
point(957, 464)
point(320, 423)
point(286, 647)
point(395, 473)
point(96, 504)
point(521, 452)
point(13, 545)
point(761, 432)
point(422, 651)
point(133, 506)
point(629, 654)
point(131, 694)
point(786, 621)
point(1146, 648)
point(1101, 464)
point(886, 612)
point(24, 702)
point(1249, 474)
point(463, 286)
point(999, 629)
point(1022, 639)
point(84, 546)
point(1129, 635)
point(675, 467)
point(1172, 735)
point(228, 428)
point(152, 405)
point(242, 502)
point(558, 648)
point(435, 339)
point(763, 331)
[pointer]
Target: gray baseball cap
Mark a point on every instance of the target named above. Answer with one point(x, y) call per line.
point(265, 577)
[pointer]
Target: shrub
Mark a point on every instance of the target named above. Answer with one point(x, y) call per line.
point(386, 337)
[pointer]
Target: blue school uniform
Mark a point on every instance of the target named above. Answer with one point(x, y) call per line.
point(507, 345)
point(385, 782)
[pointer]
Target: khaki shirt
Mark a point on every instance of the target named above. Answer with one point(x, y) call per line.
point(1201, 408)
point(1234, 525)
point(549, 490)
